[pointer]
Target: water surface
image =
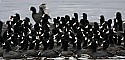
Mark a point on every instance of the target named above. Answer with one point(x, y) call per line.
point(94, 8)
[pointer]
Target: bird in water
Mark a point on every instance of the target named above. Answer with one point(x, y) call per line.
point(38, 16)
point(99, 54)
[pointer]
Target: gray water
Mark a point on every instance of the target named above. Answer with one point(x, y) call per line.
point(94, 8)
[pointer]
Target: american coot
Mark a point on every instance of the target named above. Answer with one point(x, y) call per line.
point(102, 20)
point(12, 55)
point(119, 19)
point(67, 36)
point(76, 16)
point(9, 53)
point(36, 16)
point(99, 54)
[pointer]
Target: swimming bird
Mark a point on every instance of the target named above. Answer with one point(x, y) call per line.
point(99, 54)
point(15, 18)
point(42, 11)
point(119, 19)
point(9, 53)
point(102, 20)
point(12, 55)
point(84, 16)
point(118, 16)
point(36, 16)
point(76, 16)
point(109, 23)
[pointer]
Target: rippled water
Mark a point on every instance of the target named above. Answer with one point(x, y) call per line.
point(94, 8)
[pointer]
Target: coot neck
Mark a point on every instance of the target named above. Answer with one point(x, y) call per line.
point(34, 12)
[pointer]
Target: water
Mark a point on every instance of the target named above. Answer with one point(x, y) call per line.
point(94, 8)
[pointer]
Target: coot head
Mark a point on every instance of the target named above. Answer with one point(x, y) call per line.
point(17, 16)
point(118, 16)
point(33, 9)
point(85, 16)
point(76, 16)
point(102, 19)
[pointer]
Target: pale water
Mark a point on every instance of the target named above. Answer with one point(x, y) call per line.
point(94, 8)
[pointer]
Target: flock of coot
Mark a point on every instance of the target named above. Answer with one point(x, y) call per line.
point(66, 37)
